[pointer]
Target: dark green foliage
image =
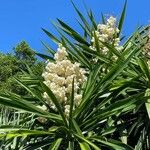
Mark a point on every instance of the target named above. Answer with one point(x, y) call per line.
point(8, 66)
point(13, 65)
point(24, 52)
point(114, 111)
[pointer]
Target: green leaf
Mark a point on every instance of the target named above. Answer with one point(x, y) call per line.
point(77, 54)
point(24, 133)
point(88, 91)
point(84, 146)
point(115, 71)
point(55, 101)
point(82, 57)
point(93, 53)
point(39, 144)
point(91, 82)
point(112, 74)
point(52, 37)
point(119, 106)
point(81, 16)
point(103, 19)
point(9, 128)
point(147, 104)
point(87, 141)
point(48, 48)
point(116, 145)
point(46, 57)
point(21, 104)
point(144, 67)
point(86, 32)
point(72, 33)
point(55, 145)
point(112, 49)
point(122, 18)
point(32, 92)
point(71, 103)
point(70, 146)
point(91, 16)
point(144, 138)
point(27, 88)
point(97, 43)
point(77, 128)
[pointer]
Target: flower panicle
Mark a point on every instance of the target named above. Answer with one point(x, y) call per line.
point(58, 76)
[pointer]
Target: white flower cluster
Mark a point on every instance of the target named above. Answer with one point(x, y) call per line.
point(107, 33)
point(59, 76)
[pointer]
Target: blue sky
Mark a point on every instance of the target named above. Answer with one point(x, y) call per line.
point(23, 19)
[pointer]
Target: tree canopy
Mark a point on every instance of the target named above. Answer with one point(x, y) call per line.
point(12, 66)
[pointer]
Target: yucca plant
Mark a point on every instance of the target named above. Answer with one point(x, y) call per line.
point(94, 93)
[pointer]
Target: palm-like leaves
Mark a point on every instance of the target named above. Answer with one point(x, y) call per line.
point(115, 95)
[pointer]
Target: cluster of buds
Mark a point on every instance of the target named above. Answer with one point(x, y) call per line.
point(59, 77)
point(107, 33)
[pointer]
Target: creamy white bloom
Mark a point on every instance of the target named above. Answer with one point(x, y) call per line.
point(107, 33)
point(67, 110)
point(59, 76)
point(61, 53)
point(78, 98)
point(111, 21)
point(43, 107)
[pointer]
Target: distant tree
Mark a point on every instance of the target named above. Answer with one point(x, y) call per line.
point(8, 66)
point(12, 65)
point(24, 54)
